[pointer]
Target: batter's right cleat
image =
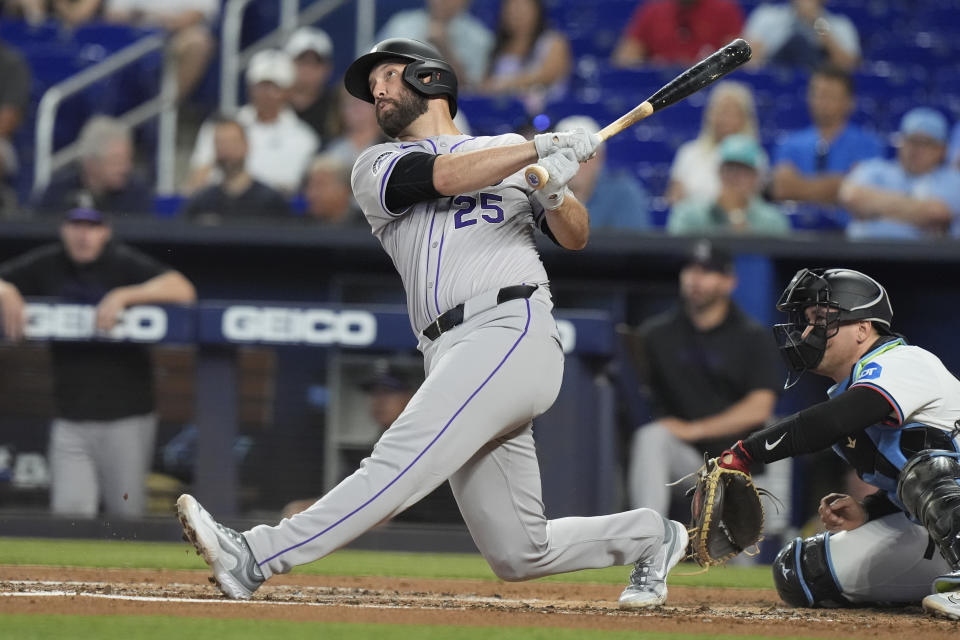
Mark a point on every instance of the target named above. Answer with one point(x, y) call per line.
point(235, 569)
point(648, 581)
point(943, 605)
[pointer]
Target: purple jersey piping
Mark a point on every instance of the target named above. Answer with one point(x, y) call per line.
point(426, 269)
point(419, 455)
point(461, 142)
point(436, 282)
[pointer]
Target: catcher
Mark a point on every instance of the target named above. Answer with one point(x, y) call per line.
point(892, 415)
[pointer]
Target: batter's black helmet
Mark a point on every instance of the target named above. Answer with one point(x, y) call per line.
point(423, 61)
point(847, 295)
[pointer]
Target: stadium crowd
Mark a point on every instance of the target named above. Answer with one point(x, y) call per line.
point(827, 129)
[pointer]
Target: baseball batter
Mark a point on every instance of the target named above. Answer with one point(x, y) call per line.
point(893, 415)
point(457, 218)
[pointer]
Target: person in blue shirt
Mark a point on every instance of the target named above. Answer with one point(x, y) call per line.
point(914, 197)
point(615, 198)
point(810, 164)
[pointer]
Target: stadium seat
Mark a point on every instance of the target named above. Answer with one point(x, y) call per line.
point(493, 115)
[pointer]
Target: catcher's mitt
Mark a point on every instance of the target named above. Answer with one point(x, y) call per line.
point(727, 514)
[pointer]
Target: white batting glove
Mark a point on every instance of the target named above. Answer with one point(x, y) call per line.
point(561, 166)
point(584, 144)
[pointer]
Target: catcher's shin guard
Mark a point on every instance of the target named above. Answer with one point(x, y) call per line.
point(803, 574)
point(928, 487)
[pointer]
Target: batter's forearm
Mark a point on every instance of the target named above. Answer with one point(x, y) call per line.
point(455, 173)
point(570, 223)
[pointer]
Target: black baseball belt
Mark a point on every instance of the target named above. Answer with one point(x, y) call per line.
point(455, 316)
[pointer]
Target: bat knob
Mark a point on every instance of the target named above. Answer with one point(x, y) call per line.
point(536, 176)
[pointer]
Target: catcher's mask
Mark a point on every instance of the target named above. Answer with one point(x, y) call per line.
point(426, 71)
point(817, 302)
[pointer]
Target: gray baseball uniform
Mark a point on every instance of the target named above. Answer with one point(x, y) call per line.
point(487, 378)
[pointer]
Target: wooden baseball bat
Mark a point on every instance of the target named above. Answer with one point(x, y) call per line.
point(704, 73)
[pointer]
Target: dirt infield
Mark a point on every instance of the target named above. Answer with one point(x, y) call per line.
point(446, 602)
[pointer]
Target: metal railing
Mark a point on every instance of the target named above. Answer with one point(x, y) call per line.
point(163, 105)
point(233, 59)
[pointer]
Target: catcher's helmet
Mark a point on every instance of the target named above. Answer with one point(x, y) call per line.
point(846, 296)
point(423, 61)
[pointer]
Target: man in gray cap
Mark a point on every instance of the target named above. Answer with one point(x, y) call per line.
point(917, 195)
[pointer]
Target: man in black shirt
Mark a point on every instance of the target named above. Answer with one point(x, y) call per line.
point(238, 195)
point(712, 372)
point(101, 442)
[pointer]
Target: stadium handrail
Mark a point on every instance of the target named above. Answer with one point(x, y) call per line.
point(233, 58)
point(163, 105)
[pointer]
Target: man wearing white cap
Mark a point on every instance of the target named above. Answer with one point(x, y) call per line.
point(917, 195)
point(312, 53)
point(281, 145)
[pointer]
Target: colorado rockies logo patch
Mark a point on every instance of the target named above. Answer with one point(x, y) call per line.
point(378, 162)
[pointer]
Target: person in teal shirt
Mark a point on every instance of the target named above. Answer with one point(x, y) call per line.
point(738, 208)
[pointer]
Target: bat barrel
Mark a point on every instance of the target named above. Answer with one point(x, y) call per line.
point(714, 66)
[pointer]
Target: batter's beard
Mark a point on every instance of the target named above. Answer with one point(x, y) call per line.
point(407, 108)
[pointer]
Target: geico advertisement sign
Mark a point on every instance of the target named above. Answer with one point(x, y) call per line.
point(296, 326)
point(79, 322)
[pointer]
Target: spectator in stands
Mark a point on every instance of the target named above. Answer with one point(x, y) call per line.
point(357, 128)
point(238, 195)
point(101, 441)
point(14, 100)
point(527, 54)
point(695, 172)
point(463, 40)
point(616, 199)
point(70, 13)
point(311, 95)
point(103, 177)
point(188, 23)
point(810, 164)
point(915, 196)
point(281, 145)
point(801, 33)
point(677, 32)
point(328, 193)
point(711, 373)
point(738, 208)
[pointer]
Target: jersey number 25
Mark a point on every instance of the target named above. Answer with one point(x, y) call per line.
point(467, 204)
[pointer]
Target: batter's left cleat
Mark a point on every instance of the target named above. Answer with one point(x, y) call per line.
point(648, 581)
point(943, 605)
point(235, 569)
